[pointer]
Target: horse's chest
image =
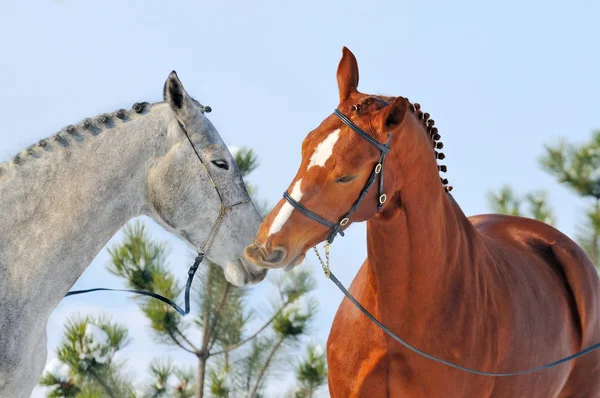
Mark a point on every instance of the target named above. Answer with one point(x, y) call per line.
point(356, 351)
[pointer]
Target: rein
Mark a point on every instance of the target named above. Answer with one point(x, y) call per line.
point(435, 359)
point(336, 228)
point(202, 250)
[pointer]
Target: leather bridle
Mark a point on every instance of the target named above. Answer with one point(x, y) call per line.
point(336, 228)
point(201, 249)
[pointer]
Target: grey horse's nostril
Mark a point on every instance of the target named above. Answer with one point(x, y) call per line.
point(276, 256)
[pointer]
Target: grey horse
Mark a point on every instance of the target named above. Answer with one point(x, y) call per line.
point(62, 199)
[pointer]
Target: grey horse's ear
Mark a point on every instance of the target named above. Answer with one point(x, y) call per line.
point(179, 100)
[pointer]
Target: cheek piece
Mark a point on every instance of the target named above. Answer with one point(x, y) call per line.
point(336, 228)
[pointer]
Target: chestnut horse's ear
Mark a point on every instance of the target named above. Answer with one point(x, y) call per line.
point(392, 115)
point(347, 74)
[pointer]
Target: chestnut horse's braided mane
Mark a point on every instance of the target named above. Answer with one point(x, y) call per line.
point(428, 124)
point(435, 138)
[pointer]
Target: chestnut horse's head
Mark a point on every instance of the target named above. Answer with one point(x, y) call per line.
point(338, 162)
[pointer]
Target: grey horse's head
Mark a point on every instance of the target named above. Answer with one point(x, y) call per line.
point(183, 198)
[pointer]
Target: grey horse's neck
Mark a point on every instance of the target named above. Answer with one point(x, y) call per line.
point(64, 198)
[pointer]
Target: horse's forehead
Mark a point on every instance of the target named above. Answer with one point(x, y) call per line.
point(206, 133)
point(316, 137)
point(331, 141)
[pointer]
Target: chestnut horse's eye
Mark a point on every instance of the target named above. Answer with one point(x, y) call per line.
point(345, 179)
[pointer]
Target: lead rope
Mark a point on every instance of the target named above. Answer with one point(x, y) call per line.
point(332, 277)
point(202, 250)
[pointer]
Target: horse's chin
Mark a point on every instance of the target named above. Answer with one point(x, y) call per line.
point(294, 263)
point(236, 275)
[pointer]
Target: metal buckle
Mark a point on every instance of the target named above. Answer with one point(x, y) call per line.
point(344, 221)
point(382, 198)
point(378, 168)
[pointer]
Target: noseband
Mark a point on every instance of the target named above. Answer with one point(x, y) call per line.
point(202, 249)
point(377, 170)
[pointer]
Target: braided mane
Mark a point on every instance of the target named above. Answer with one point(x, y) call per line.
point(435, 139)
point(428, 124)
point(77, 132)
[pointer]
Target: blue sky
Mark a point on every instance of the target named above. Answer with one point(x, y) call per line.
point(499, 78)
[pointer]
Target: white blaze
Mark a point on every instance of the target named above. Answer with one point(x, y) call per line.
point(286, 210)
point(324, 150)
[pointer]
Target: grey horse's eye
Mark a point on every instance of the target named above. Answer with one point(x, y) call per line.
point(221, 164)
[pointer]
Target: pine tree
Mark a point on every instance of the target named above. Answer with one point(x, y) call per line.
point(505, 201)
point(221, 319)
point(578, 167)
point(86, 365)
point(311, 372)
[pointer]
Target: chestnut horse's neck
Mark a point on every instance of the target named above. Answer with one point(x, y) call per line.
point(417, 246)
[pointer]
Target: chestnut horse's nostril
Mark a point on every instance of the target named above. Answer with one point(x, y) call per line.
point(263, 257)
point(276, 256)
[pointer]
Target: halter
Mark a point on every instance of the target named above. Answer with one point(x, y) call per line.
point(377, 170)
point(202, 249)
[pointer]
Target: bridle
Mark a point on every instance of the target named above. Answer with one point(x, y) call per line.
point(336, 229)
point(202, 249)
point(377, 171)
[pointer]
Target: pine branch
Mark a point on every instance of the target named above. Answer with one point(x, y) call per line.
point(180, 333)
point(178, 343)
point(206, 312)
point(266, 365)
point(102, 383)
point(241, 343)
point(213, 327)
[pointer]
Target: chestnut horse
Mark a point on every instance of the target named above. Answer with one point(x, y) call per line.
point(492, 292)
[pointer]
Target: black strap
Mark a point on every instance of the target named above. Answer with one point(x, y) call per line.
point(383, 155)
point(307, 212)
point(337, 227)
point(188, 285)
point(453, 365)
point(357, 130)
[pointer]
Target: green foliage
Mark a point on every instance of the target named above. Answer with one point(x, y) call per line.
point(246, 370)
point(137, 259)
point(291, 321)
point(588, 234)
point(294, 319)
point(578, 167)
point(60, 386)
point(169, 381)
point(221, 318)
point(539, 208)
point(142, 263)
point(505, 201)
point(86, 364)
point(161, 371)
point(311, 372)
point(246, 160)
point(185, 386)
point(218, 379)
